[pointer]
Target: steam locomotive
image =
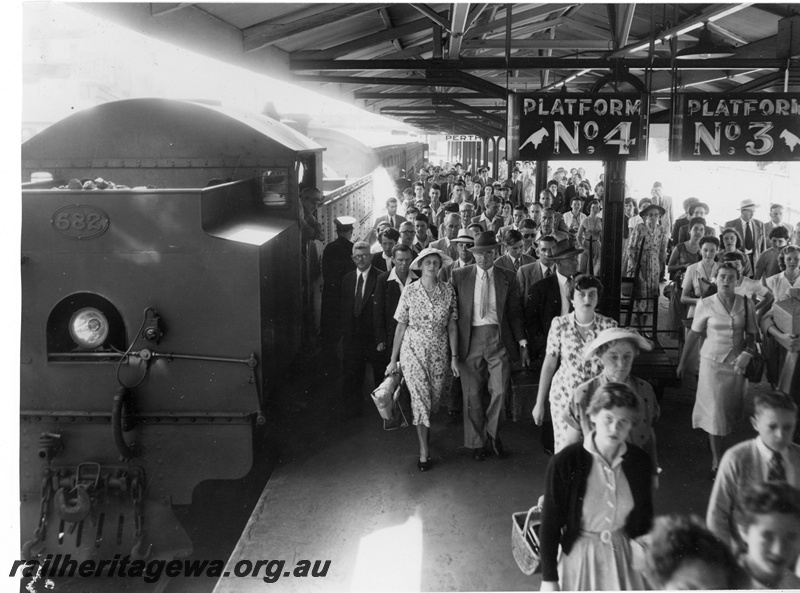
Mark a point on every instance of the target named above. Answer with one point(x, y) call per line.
point(156, 314)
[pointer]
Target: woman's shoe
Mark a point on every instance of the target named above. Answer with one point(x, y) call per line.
point(424, 466)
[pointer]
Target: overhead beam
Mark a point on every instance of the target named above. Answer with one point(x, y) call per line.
point(694, 22)
point(363, 80)
point(387, 23)
point(462, 79)
point(471, 109)
point(343, 49)
point(577, 44)
point(412, 95)
point(458, 24)
point(532, 63)
point(520, 20)
point(626, 20)
point(433, 15)
point(269, 32)
point(729, 34)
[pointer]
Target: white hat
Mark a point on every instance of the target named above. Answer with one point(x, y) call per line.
point(612, 335)
point(748, 203)
point(415, 265)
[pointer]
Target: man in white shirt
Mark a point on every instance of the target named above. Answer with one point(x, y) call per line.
point(490, 335)
point(776, 219)
point(387, 294)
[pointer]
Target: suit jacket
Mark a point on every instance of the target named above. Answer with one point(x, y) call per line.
point(542, 306)
point(759, 238)
point(337, 261)
point(385, 218)
point(505, 261)
point(497, 223)
point(446, 272)
point(358, 324)
point(527, 276)
point(769, 225)
point(387, 295)
point(509, 314)
point(446, 246)
point(378, 261)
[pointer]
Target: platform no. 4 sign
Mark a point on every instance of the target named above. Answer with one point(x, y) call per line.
point(737, 127)
point(581, 127)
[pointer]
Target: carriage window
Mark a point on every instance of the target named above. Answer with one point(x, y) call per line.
point(275, 187)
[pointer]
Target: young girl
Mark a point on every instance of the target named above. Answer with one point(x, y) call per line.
point(769, 526)
point(598, 497)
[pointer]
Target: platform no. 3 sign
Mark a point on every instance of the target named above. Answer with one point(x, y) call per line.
point(581, 127)
point(737, 127)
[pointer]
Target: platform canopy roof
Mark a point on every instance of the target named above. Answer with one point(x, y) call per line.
point(449, 67)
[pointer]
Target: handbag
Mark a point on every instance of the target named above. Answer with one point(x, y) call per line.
point(525, 539)
point(400, 396)
point(383, 395)
point(755, 368)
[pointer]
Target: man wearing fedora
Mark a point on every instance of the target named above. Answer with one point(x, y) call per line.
point(750, 230)
point(547, 299)
point(490, 335)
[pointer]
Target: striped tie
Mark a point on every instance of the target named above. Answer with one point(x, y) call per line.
point(485, 295)
point(776, 473)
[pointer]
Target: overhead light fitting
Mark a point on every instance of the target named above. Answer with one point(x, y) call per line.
point(705, 49)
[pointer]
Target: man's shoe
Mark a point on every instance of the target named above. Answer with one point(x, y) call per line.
point(479, 454)
point(497, 447)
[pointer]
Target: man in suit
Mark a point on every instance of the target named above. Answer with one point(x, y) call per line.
point(529, 274)
point(391, 216)
point(452, 224)
point(517, 196)
point(548, 226)
point(659, 198)
point(358, 329)
point(389, 287)
point(547, 299)
point(528, 229)
point(463, 242)
point(337, 260)
point(775, 220)
point(519, 214)
point(383, 260)
point(483, 176)
point(514, 259)
point(490, 335)
point(490, 220)
point(750, 230)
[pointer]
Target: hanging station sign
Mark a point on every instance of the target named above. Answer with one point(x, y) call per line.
point(599, 126)
point(462, 138)
point(736, 127)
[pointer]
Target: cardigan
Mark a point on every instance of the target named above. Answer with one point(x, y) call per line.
point(565, 488)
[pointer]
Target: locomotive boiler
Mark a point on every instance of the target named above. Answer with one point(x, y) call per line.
point(155, 317)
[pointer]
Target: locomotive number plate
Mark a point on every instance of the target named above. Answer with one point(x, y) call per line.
point(80, 221)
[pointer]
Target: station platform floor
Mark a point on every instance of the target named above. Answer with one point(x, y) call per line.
point(350, 493)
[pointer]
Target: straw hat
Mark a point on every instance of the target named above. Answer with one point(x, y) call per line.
point(464, 236)
point(612, 335)
point(748, 203)
point(415, 265)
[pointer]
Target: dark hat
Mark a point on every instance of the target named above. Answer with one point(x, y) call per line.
point(656, 184)
point(483, 168)
point(486, 241)
point(458, 165)
point(344, 223)
point(645, 211)
point(516, 170)
point(564, 249)
point(508, 184)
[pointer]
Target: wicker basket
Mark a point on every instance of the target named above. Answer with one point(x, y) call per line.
point(525, 539)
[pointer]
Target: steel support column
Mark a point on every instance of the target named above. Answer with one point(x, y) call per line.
point(613, 220)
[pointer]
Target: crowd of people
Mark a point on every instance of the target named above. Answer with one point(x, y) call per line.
point(469, 279)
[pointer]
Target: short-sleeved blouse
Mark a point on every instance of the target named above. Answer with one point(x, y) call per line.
point(779, 285)
point(725, 330)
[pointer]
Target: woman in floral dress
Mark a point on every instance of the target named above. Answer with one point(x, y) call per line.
point(651, 239)
point(565, 342)
point(426, 335)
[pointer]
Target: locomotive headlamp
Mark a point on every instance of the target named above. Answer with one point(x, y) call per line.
point(88, 327)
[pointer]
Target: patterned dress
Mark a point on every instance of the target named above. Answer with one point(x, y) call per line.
point(654, 258)
point(425, 351)
point(566, 343)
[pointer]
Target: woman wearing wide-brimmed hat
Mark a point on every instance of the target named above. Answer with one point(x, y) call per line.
point(617, 349)
point(425, 337)
point(647, 250)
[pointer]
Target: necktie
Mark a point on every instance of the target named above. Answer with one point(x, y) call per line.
point(394, 225)
point(485, 295)
point(359, 291)
point(547, 273)
point(748, 237)
point(776, 472)
point(516, 264)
